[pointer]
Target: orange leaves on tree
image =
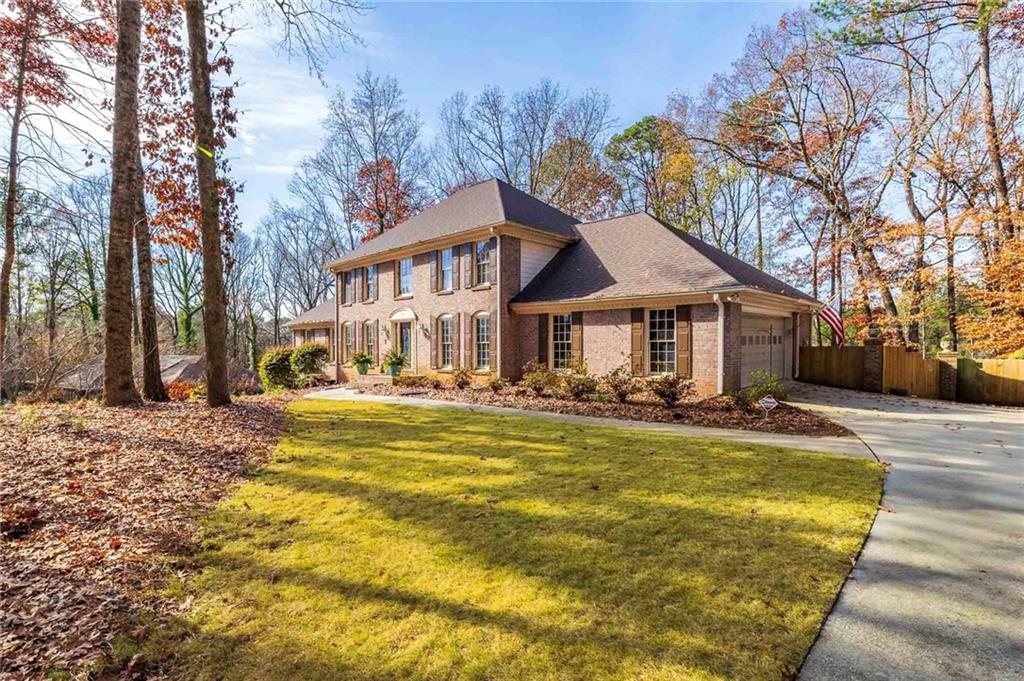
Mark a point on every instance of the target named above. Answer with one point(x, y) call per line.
point(378, 199)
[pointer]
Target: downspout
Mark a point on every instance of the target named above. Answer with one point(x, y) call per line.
point(721, 342)
point(497, 308)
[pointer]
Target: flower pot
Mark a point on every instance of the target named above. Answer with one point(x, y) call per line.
point(362, 368)
point(394, 369)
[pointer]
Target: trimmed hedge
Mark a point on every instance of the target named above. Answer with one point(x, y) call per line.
point(276, 369)
point(308, 358)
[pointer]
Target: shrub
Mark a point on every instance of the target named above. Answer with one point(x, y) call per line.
point(308, 359)
point(414, 381)
point(276, 369)
point(622, 383)
point(763, 382)
point(180, 391)
point(578, 383)
point(462, 378)
point(538, 379)
point(671, 389)
point(496, 383)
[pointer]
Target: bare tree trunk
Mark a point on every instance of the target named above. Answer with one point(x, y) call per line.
point(995, 154)
point(757, 209)
point(214, 298)
point(118, 386)
point(11, 200)
point(152, 383)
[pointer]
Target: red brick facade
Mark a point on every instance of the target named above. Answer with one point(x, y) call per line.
point(606, 334)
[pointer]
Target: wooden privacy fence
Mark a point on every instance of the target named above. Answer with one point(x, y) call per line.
point(841, 367)
point(990, 381)
point(875, 368)
point(908, 373)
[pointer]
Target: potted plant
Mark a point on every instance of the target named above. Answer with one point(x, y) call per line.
point(362, 361)
point(394, 361)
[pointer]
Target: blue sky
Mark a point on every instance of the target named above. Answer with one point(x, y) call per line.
point(638, 54)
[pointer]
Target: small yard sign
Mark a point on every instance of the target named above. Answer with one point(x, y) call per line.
point(768, 403)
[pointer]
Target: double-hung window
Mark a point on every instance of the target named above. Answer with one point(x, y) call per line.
point(483, 261)
point(405, 276)
point(370, 285)
point(350, 286)
point(444, 329)
point(350, 340)
point(661, 338)
point(482, 328)
point(370, 339)
point(446, 270)
point(561, 341)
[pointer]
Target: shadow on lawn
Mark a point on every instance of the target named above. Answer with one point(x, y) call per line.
point(692, 558)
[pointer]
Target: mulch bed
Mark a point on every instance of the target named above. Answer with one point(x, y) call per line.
point(714, 412)
point(95, 501)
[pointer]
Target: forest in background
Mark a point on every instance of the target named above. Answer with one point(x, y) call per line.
point(867, 151)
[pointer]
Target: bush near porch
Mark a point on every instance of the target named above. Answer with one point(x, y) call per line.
point(395, 542)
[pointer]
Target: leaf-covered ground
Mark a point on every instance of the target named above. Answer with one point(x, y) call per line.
point(397, 542)
point(93, 502)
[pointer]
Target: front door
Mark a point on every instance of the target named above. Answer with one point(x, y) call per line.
point(405, 341)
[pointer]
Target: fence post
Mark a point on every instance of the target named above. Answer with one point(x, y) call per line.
point(947, 374)
point(873, 351)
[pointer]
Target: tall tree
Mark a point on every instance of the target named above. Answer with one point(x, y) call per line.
point(152, 383)
point(118, 384)
point(218, 390)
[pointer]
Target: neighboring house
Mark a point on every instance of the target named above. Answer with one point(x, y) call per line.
point(492, 278)
point(317, 326)
point(87, 378)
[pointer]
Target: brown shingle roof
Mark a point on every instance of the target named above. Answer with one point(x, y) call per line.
point(326, 312)
point(488, 203)
point(638, 255)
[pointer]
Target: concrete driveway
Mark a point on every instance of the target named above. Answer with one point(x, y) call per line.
point(938, 592)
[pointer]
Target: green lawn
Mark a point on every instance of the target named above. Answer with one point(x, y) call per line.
point(389, 542)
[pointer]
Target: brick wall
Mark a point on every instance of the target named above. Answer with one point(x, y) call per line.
point(424, 303)
point(526, 339)
point(510, 252)
point(704, 319)
point(606, 340)
point(733, 357)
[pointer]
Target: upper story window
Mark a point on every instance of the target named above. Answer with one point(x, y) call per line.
point(483, 262)
point(350, 286)
point(661, 338)
point(561, 341)
point(446, 280)
point(405, 276)
point(370, 282)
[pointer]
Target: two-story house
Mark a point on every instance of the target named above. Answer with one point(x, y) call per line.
point(492, 278)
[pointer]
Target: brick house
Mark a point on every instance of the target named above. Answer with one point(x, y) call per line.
point(317, 326)
point(492, 278)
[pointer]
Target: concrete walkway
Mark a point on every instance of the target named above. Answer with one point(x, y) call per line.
point(836, 445)
point(938, 592)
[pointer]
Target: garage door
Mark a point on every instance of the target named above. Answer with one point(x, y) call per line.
point(764, 346)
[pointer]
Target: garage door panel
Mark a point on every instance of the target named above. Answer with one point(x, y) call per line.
point(763, 346)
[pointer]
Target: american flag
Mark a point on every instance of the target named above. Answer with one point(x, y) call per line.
point(834, 320)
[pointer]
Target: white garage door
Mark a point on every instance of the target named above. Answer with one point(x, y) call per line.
point(765, 345)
